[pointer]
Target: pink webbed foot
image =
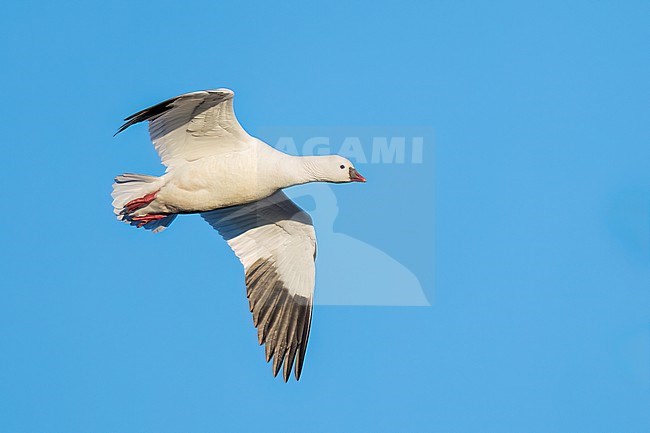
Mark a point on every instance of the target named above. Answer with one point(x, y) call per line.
point(142, 220)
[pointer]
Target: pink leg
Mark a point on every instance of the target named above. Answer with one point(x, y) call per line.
point(139, 203)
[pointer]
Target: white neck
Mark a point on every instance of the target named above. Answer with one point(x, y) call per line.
point(297, 170)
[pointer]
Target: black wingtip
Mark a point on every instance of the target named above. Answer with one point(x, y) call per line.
point(298, 370)
point(125, 125)
point(146, 114)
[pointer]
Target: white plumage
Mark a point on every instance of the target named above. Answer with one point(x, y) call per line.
point(234, 181)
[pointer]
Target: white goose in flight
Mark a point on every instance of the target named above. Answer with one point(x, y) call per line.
point(235, 182)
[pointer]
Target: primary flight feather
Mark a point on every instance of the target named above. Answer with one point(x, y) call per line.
point(235, 181)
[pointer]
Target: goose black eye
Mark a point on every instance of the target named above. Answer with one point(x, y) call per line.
point(342, 166)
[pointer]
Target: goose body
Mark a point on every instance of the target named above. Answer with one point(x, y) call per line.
point(235, 181)
point(219, 181)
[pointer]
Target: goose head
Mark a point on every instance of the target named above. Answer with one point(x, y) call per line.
point(336, 169)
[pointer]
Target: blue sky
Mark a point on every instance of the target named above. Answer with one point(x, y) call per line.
point(534, 250)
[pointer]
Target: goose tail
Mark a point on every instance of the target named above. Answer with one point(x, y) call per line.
point(132, 192)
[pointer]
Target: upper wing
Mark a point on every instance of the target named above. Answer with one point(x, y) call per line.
point(193, 125)
point(275, 241)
